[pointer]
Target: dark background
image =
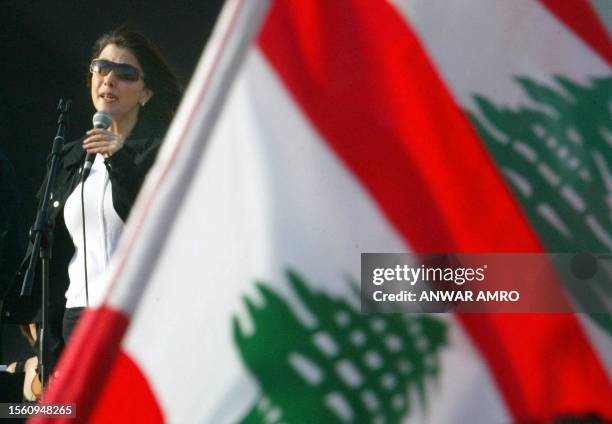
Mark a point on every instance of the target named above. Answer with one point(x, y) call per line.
point(45, 48)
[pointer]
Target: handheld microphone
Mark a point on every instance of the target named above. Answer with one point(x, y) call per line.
point(100, 120)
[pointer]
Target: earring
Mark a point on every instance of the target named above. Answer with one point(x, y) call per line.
point(143, 103)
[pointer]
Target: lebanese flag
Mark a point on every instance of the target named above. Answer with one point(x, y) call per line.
point(359, 126)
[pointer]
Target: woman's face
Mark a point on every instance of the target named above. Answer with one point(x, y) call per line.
point(119, 97)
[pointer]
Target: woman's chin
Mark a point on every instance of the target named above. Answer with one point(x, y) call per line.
point(110, 107)
point(110, 110)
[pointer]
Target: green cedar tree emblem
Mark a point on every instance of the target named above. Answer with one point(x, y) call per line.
point(557, 156)
point(344, 367)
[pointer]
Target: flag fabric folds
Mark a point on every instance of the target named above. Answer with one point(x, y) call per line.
point(358, 126)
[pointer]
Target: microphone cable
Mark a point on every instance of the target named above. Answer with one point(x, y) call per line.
point(99, 120)
point(83, 178)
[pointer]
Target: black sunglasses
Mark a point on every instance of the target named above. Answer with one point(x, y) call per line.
point(123, 71)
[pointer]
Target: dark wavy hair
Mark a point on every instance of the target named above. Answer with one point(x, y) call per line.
point(158, 77)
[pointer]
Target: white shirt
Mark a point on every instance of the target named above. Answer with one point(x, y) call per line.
point(103, 228)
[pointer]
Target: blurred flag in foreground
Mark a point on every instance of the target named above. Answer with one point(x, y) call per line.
point(360, 126)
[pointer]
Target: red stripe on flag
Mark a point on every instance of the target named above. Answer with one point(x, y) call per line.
point(367, 85)
point(83, 369)
point(582, 20)
point(127, 396)
point(543, 363)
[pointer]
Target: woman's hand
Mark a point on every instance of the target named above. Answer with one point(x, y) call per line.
point(104, 142)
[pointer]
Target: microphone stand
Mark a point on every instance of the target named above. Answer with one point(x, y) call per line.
point(41, 233)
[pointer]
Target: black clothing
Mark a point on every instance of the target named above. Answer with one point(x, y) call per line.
point(71, 318)
point(11, 387)
point(127, 169)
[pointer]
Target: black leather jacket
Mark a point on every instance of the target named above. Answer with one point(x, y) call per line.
point(127, 169)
